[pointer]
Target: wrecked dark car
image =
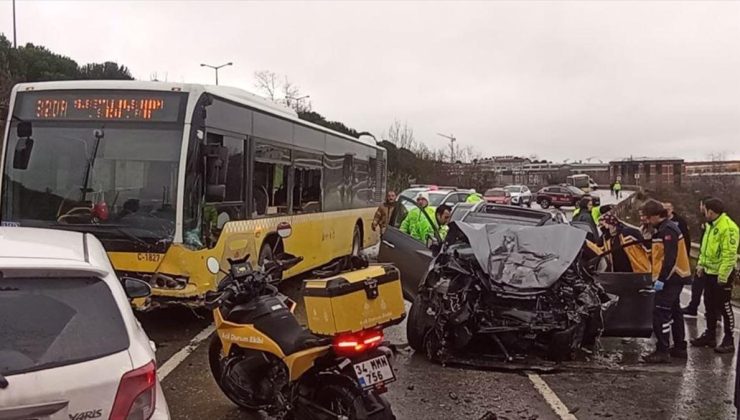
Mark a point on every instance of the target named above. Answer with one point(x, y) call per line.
point(519, 288)
point(509, 283)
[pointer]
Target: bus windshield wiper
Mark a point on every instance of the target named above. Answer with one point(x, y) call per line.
point(99, 134)
point(132, 236)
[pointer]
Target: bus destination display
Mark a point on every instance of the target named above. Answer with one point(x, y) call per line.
point(107, 106)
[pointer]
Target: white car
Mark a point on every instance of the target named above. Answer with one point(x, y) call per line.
point(70, 347)
point(520, 195)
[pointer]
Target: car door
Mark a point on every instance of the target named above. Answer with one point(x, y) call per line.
point(410, 256)
point(633, 314)
point(564, 197)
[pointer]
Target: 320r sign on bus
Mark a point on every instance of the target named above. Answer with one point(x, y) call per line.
point(105, 105)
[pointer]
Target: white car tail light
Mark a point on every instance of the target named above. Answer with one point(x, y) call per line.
point(136, 396)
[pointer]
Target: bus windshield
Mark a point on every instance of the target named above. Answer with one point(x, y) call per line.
point(114, 179)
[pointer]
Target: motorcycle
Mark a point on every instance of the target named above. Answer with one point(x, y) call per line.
point(263, 360)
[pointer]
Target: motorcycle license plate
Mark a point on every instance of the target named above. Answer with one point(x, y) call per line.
point(373, 372)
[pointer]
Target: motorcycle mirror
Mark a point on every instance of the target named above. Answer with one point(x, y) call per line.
point(213, 266)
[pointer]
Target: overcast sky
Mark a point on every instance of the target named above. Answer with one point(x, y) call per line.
point(553, 79)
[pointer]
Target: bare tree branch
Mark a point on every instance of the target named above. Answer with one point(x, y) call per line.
point(267, 82)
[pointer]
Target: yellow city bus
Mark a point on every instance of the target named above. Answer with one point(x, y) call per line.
point(169, 176)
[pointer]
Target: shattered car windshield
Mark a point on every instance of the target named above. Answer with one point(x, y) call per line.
point(523, 257)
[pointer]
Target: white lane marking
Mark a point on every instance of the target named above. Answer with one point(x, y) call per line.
point(550, 397)
point(735, 311)
point(184, 352)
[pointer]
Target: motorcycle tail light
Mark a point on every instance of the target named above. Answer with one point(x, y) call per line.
point(357, 343)
point(136, 396)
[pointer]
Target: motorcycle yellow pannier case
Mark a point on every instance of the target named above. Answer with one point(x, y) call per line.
point(354, 300)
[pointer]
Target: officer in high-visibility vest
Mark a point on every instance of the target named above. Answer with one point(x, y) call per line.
point(617, 188)
point(716, 265)
point(474, 197)
point(410, 224)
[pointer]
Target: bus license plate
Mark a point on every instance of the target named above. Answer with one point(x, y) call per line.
point(373, 372)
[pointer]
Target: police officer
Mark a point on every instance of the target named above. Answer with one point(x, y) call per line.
point(410, 224)
point(717, 266)
point(425, 230)
point(697, 286)
point(670, 266)
point(474, 197)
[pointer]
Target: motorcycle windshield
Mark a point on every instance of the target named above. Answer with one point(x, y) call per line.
point(521, 257)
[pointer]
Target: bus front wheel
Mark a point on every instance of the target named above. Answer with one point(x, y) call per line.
point(356, 242)
point(266, 253)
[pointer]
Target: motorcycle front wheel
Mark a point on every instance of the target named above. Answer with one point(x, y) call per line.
point(239, 388)
point(348, 403)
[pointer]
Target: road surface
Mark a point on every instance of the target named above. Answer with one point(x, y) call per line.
point(612, 385)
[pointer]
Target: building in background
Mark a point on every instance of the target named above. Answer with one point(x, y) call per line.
point(712, 167)
point(648, 170)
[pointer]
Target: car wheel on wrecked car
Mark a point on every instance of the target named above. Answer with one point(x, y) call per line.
point(418, 324)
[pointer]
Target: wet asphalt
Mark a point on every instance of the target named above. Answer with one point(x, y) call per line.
point(612, 384)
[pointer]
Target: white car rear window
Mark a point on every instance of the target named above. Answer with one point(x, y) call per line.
point(52, 322)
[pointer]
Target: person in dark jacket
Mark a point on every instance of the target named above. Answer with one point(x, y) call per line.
point(584, 215)
point(670, 268)
point(683, 226)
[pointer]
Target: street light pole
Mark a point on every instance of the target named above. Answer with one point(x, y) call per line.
point(15, 43)
point(216, 68)
point(295, 99)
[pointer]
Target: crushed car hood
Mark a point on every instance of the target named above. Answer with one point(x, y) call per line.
point(521, 257)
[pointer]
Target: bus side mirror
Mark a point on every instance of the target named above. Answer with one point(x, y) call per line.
point(22, 154)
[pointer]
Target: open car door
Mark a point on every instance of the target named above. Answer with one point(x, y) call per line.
point(633, 315)
point(409, 255)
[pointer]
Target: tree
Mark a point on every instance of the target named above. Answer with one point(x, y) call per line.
point(401, 135)
point(272, 86)
point(31, 63)
point(267, 82)
point(107, 71)
point(318, 119)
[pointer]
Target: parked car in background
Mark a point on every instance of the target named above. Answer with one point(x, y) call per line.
point(70, 346)
point(520, 195)
point(561, 195)
point(441, 195)
point(450, 198)
point(497, 196)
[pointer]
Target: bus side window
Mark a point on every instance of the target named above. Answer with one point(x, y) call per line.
point(307, 190)
point(270, 189)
